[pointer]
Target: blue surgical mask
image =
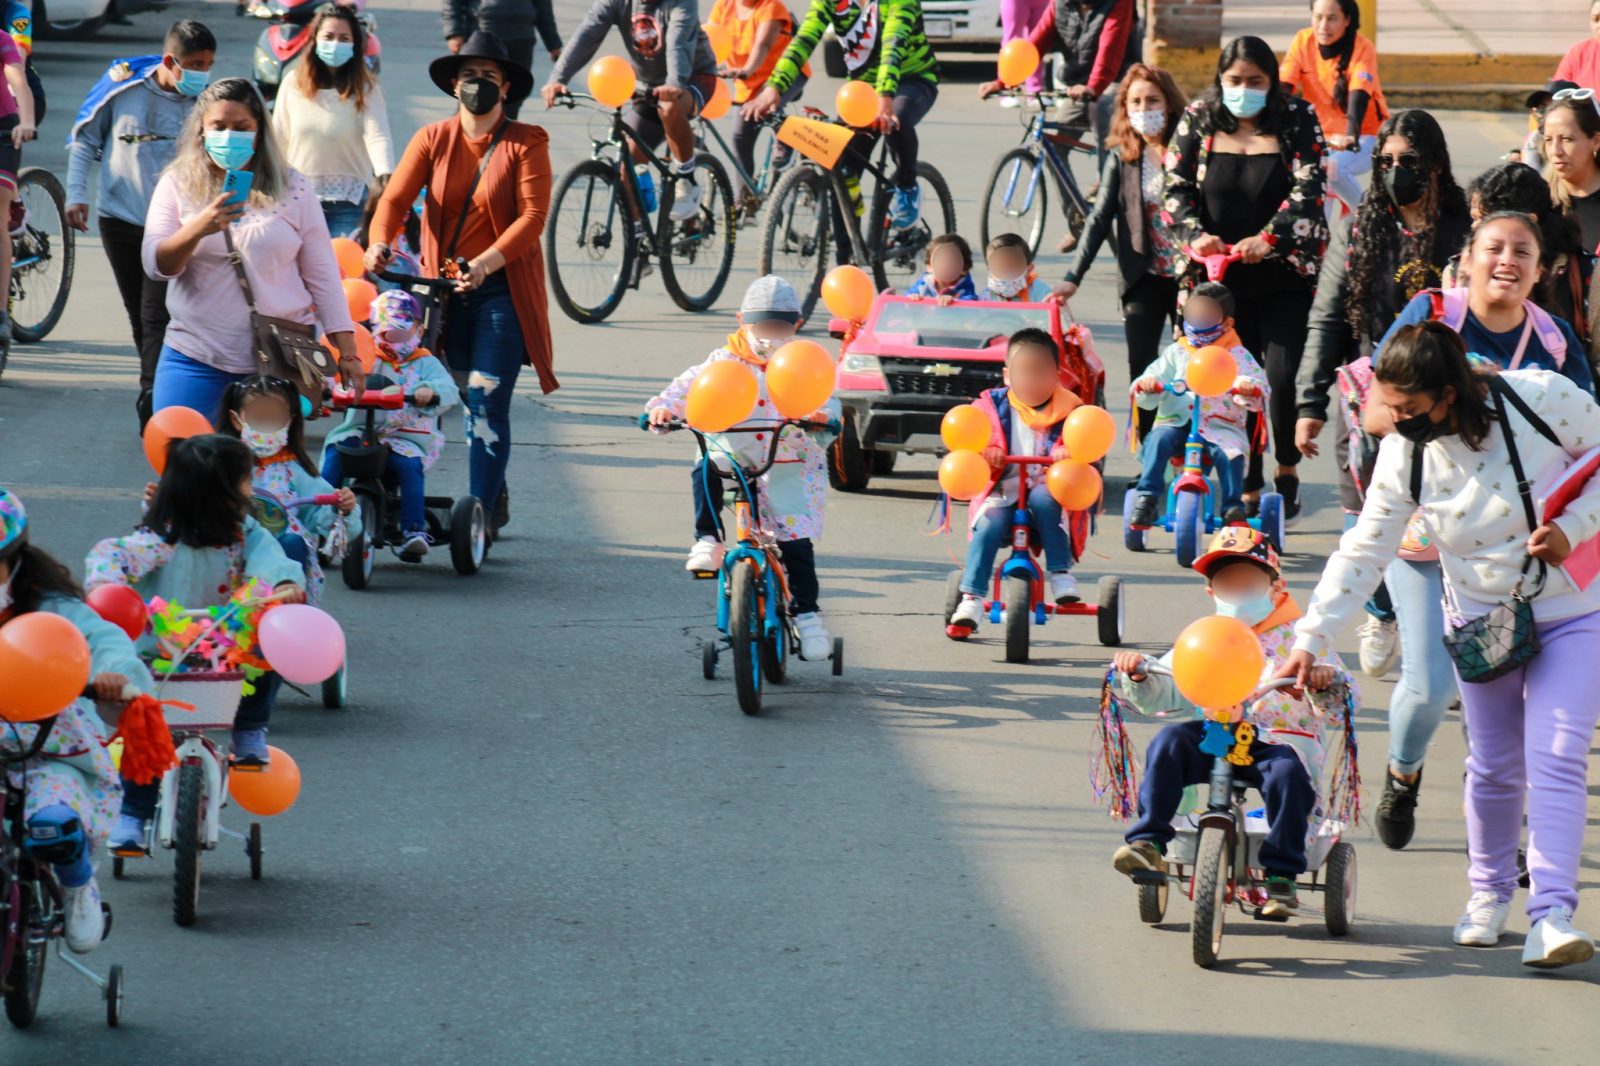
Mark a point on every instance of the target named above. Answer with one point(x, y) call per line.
point(1250, 612)
point(230, 149)
point(335, 53)
point(1245, 103)
point(192, 82)
point(1201, 337)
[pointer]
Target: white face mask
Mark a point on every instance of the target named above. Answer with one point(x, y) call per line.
point(1007, 287)
point(1148, 123)
point(265, 443)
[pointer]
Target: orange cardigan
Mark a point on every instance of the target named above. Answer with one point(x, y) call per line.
point(514, 196)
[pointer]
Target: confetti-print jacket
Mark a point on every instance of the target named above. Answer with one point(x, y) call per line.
point(1470, 506)
point(1298, 230)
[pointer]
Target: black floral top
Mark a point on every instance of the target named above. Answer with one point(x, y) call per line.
point(1298, 231)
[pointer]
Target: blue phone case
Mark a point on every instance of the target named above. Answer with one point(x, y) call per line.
point(236, 183)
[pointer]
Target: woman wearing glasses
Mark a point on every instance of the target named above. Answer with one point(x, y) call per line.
point(1572, 146)
point(1412, 220)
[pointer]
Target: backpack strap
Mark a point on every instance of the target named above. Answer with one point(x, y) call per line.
point(1550, 335)
point(1416, 474)
point(1529, 415)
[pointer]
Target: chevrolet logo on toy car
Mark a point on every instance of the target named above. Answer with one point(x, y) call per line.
point(941, 370)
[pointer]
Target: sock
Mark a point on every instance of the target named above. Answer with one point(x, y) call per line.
point(685, 170)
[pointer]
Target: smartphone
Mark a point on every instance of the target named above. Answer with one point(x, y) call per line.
point(236, 185)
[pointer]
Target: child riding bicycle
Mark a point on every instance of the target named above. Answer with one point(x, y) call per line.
point(792, 493)
point(1244, 582)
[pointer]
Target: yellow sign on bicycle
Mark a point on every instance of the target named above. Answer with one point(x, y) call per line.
point(821, 142)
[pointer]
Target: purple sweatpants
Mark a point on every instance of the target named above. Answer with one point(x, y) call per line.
point(1528, 734)
point(1017, 19)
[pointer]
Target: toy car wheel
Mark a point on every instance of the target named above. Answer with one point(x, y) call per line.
point(1211, 869)
point(838, 656)
point(1152, 903)
point(849, 465)
point(336, 688)
point(1108, 616)
point(1018, 594)
point(883, 462)
point(114, 996)
point(952, 595)
point(1271, 519)
point(1188, 527)
point(708, 660)
point(1132, 539)
point(252, 848)
point(469, 535)
point(357, 566)
point(1339, 889)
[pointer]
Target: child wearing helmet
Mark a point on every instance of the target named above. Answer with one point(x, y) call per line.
point(72, 792)
point(1244, 582)
point(412, 433)
point(790, 495)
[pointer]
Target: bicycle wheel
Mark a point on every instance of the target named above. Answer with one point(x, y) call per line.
point(1016, 199)
point(589, 242)
point(697, 252)
point(42, 257)
point(1211, 872)
point(186, 841)
point(794, 233)
point(26, 976)
point(898, 255)
point(744, 634)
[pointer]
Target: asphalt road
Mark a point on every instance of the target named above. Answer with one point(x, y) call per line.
point(537, 835)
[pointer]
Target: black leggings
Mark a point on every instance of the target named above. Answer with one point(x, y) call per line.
point(1273, 327)
point(1149, 315)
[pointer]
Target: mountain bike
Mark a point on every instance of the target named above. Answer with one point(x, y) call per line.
point(812, 199)
point(43, 250)
point(599, 240)
point(1017, 198)
point(772, 159)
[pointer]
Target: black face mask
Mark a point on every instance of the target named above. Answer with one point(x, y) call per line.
point(1406, 185)
point(478, 95)
point(1419, 429)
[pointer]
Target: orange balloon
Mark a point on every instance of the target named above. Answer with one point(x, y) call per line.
point(352, 260)
point(1018, 60)
point(717, 106)
point(721, 39)
point(723, 395)
point(167, 425)
point(1211, 371)
point(965, 475)
point(965, 429)
point(611, 81)
point(800, 378)
point(359, 294)
point(1075, 486)
point(848, 292)
point(857, 103)
point(1089, 433)
point(44, 664)
point(1217, 662)
point(270, 791)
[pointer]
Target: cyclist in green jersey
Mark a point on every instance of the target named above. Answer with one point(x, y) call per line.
point(885, 46)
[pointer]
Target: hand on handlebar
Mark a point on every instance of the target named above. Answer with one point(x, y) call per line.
point(551, 93)
point(1301, 666)
point(990, 88)
point(994, 456)
point(660, 416)
point(1253, 249)
point(108, 688)
point(289, 592)
point(1132, 663)
point(887, 121)
point(347, 501)
point(379, 256)
point(1208, 244)
point(1148, 384)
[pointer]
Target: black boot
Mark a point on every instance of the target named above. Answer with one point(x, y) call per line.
point(1397, 810)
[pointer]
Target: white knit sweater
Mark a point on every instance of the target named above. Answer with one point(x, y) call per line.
point(1473, 514)
point(339, 148)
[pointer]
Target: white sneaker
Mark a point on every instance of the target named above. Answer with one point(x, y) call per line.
point(1063, 587)
point(1481, 924)
point(1380, 646)
point(685, 199)
point(1553, 942)
point(86, 922)
point(968, 613)
point(815, 643)
point(1009, 102)
point(705, 557)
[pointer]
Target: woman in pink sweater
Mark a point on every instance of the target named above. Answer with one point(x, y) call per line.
point(280, 236)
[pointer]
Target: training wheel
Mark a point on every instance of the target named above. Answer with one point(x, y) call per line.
point(838, 656)
point(708, 660)
point(252, 848)
point(117, 867)
point(114, 996)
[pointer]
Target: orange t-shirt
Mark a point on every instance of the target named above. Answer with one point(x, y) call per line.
point(1304, 68)
point(743, 22)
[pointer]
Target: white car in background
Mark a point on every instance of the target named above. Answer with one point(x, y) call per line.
point(77, 19)
point(951, 25)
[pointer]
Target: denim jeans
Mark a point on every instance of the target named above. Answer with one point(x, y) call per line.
point(799, 558)
point(343, 217)
point(993, 531)
point(184, 382)
point(407, 471)
point(1164, 443)
point(485, 343)
point(1427, 684)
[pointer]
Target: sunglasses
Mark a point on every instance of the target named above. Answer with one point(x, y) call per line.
point(1410, 160)
point(1578, 94)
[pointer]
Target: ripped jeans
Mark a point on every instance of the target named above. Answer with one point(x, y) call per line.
point(484, 341)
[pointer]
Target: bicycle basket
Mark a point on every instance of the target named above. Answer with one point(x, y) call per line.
point(215, 697)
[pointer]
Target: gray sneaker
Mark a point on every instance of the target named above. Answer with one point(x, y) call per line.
point(1139, 856)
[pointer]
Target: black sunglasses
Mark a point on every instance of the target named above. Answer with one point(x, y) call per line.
point(1408, 159)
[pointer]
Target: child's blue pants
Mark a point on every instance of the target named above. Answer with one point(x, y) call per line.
point(408, 472)
point(1165, 443)
point(993, 531)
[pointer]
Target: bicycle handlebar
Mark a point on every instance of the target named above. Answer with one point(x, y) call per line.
point(1151, 666)
point(416, 279)
point(374, 400)
point(774, 428)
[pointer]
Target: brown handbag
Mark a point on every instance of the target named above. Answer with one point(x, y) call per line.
point(284, 348)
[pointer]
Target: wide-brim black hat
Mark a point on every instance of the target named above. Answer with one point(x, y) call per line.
point(482, 45)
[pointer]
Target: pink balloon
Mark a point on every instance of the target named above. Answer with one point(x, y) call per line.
point(302, 643)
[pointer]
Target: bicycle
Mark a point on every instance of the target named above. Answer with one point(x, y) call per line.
point(772, 159)
point(272, 515)
point(812, 197)
point(31, 907)
point(43, 251)
point(600, 212)
point(752, 589)
point(1023, 197)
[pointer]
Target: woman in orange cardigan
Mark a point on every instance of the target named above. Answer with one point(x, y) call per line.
point(497, 320)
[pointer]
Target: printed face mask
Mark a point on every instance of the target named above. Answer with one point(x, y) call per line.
point(1245, 103)
point(265, 443)
point(192, 82)
point(1202, 336)
point(230, 149)
point(335, 53)
point(478, 95)
point(1007, 287)
point(1251, 612)
point(1150, 123)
